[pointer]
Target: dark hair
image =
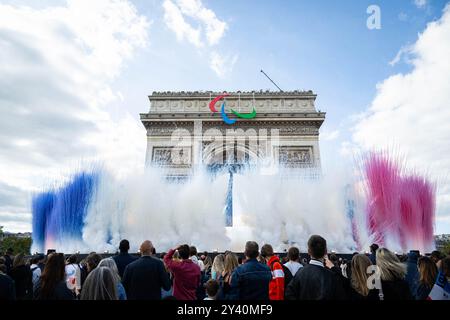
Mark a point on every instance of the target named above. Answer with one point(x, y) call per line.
point(251, 250)
point(183, 251)
point(92, 261)
point(436, 255)
point(317, 246)
point(54, 272)
point(374, 247)
point(293, 253)
point(446, 266)
point(266, 250)
point(9, 251)
point(192, 251)
point(212, 287)
point(124, 245)
point(72, 259)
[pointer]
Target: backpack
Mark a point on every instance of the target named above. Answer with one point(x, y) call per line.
point(287, 273)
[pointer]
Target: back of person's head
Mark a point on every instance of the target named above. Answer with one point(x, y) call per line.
point(427, 271)
point(251, 250)
point(207, 262)
point(192, 251)
point(124, 246)
point(293, 254)
point(212, 288)
point(53, 273)
point(183, 251)
point(111, 264)
point(445, 266)
point(359, 265)
point(9, 251)
point(267, 251)
point(19, 260)
point(373, 248)
point(219, 263)
point(92, 261)
point(334, 259)
point(230, 263)
point(100, 284)
point(317, 247)
point(73, 259)
point(436, 255)
point(391, 268)
point(146, 248)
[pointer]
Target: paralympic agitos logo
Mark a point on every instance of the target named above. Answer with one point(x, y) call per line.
point(225, 117)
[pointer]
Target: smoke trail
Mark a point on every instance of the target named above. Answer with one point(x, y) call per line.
point(41, 206)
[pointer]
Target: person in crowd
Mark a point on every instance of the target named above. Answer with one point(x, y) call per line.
point(36, 267)
point(412, 272)
point(427, 277)
point(7, 285)
point(109, 263)
point(293, 264)
point(276, 286)
point(231, 263)
point(73, 274)
point(315, 281)
point(194, 258)
point(212, 289)
point(144, 277)
point(436, 256)
point(392, 273)
point(207, 262)
point(9, 257)
point(52, 284)
point(250, 281)
point(100, 284)
point(123, 258)
point(359, 289)
point(186, 273)
point(92, 261)
point(23, 278)
point(217, 267)
point(373, 253)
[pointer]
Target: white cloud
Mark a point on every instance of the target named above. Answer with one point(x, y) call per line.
point(420, 3)
point(402, 53)
point(411, 111)
point(207, 32)
point(222, 65)
point(56, 67)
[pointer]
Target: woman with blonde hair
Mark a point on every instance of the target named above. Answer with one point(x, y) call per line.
point(217, 267)
point(358, 279)
point(392, 273)
point(230, 264)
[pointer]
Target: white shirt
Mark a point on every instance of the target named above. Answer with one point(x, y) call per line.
point(36, 273)
point(198, 262)
point(316, 263)
point(293, 266)
point(73, 276)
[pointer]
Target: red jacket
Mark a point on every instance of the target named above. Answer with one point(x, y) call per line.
point(186, 277)
point(276, 285)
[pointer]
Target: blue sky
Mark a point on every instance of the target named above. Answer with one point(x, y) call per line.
point(97, 61)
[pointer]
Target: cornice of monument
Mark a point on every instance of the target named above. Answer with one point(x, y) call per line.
point(267, 94)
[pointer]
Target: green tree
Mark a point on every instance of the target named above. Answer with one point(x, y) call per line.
point(19, 245)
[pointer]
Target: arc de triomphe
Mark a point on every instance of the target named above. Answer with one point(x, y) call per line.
point(183, 133)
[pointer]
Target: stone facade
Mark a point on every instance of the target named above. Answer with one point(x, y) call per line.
point(183, 133)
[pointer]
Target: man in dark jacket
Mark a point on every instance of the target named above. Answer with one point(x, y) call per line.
point(250, 281)
point(315, 281)
point(144, 278)
point(412, 272)
point(373, 253)
point(9, 259)
point(123, 258)
point(7, 286)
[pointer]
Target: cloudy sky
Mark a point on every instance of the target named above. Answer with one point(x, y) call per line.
point(74, 75)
